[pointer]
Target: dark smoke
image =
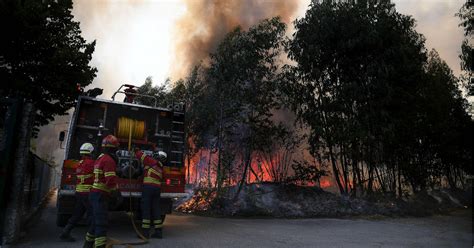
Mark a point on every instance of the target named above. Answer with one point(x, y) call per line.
point(206, 23)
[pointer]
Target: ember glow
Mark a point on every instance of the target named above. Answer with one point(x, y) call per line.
point(202, 170)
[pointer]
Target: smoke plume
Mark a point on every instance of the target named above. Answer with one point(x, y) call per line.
point(206, 22)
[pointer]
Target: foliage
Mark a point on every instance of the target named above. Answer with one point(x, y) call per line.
point(307, 173)
point(364, 85)
point(381, 110)
point(160, 92)
point(466, 14)
point(43, 57)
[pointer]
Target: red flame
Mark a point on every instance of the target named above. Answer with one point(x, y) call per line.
point(325, 183)
point(264, 168)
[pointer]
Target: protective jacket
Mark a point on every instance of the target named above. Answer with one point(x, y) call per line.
point(152, 169)
point(105, 179)
point(84, 175)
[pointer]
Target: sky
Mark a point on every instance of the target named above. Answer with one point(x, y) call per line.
point(134, 39)
point(137, 38)
point(141, 38)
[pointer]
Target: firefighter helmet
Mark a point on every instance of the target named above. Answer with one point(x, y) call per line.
point(161, 155)
point(110, 141)
point(86, 148)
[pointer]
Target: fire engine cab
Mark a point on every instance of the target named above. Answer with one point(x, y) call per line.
point(149, 128)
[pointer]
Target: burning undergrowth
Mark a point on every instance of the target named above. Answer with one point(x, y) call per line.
point(290, 201)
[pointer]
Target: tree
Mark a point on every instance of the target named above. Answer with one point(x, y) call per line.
point(229, 100)
point(450, 126)
point(159, 92)
point(466, 14)
point(359, 69)
point(242, 76)
point(381, 110)
point(43, 57)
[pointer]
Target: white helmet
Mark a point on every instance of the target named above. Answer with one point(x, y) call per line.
point(86, 149)
point(161, 155)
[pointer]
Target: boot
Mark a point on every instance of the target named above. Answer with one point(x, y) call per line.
point(88, 244)
point(158, 234)
point(66, 234)
point(100, 242)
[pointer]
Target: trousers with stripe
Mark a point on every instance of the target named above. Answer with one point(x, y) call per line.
point(98, 227)
point(150, 206)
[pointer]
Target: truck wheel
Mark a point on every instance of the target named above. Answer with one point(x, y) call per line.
point(61, 219)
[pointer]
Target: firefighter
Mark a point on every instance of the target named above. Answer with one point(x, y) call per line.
point(104, 186)
point(150, 203)
point(85, 178)
point(130, 94)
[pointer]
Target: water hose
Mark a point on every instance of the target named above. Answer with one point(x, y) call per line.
point(111, 241)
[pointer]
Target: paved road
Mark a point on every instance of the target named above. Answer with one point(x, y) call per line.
point(193, 231)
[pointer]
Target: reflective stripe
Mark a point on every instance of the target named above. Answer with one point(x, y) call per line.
point(83, 188)
point(100, 241)
point(157, 222)
point(146, 221)
point(151, 180)
point(110, 174)
point(158, 226)
point(84, 177)
point(145, 225)
point(154, 172)
point(89, 237)
point(101, 186)
point(97, 173)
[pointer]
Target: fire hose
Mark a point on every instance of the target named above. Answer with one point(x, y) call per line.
point(111, 241)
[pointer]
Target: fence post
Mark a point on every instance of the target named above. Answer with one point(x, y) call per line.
point(14, 208)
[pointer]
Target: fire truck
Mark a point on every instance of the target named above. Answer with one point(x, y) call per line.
point(149, 128)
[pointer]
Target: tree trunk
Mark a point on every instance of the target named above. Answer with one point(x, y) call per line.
point(189, 169)
point(354, 175)
point(209, 169)
point(257, 178)
point(371, 172)
point(399, 175)
point(381, 181)
point(244, 174)
point(336, 171)
point(344, 170)
point(197, 167)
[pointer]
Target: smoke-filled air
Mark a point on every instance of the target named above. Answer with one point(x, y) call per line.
point(205, 23)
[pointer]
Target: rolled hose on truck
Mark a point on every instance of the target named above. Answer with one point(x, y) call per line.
point(130, 128)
